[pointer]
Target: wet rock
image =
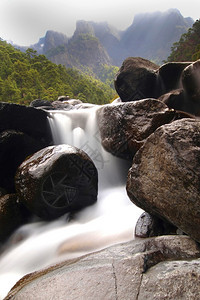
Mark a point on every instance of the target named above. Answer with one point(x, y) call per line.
point(57, 180)
point(66, 104)
point(174, 99)
point(15, 146)
point(124, 271)
point(125, 126)
point(178, 100)
point(165, 176)
point(191, 80)
point(149, 225)
point(63, 98)
point(61, 105)
point(136, 79)
point(12, 215)
point(169, 76)
point(191, 84)
point(40, 102)
point(73, 101)
point(29, 120)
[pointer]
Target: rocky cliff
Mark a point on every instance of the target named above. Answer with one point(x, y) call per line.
point(151, 36)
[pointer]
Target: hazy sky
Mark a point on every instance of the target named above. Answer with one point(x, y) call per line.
point(25, 21)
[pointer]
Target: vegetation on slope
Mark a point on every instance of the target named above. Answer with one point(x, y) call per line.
point(188, 47)
point(28, 76)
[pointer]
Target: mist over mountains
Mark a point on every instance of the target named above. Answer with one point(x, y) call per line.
point(151, 36)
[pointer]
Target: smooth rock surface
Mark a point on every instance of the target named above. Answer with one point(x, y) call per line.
point(140, 269)
point(125, 126)
point(40, 102)
point(136, 79)
point(171, 280)
point(169, 75)
point(191, 84)
point(29, 120)
point(191, 80)
point(57, 180)
point(165, 175)
point(174, 99)
point(148, 225)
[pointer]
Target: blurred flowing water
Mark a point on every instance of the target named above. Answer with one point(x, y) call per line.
point(111, 220)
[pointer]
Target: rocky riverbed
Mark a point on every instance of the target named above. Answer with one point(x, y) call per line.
point(155, 126)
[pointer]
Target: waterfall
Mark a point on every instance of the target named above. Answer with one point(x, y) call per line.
point(111, 220)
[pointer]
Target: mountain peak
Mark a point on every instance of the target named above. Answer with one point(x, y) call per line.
point(151, 36)
point(173, 10)
point(84, 27)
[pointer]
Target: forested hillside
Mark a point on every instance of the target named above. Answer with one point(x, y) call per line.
point(28, 76)
point(188, 47)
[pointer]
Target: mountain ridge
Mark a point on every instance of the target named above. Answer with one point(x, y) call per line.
point(151, 36)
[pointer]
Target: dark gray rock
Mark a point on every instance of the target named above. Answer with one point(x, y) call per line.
point(57, 180)
point(136, 79)
point(191, 80)
point(67, 104)
point(178, 100)
point(29, 120)
point(149, 225)
point(169, 76)
point(125, 126)
point(174, 99)
point(61, 105)
point(40, 102)
point(165, 176)
point(12, 215)
point(191, 85)
point(15, 146)
point(162, 267)
point(2, 192)
point(64, 104)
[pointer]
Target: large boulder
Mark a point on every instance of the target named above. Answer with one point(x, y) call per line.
point(165, 175)
point(23, 131)
point(125, 126)
point(155, 268)
point(15, 146)
point(136, 79)
point(191, 85)
point(57, 180)
point(29, 120)
point(169, 76)
point(191, 80)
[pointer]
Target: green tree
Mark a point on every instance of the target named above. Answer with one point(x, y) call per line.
point(30, 53)
point(10, 92)
point(187, 48)
point(50, 94)
point(27, 76)
point(5, 64)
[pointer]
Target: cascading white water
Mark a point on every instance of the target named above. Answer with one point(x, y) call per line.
point(111, 220)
